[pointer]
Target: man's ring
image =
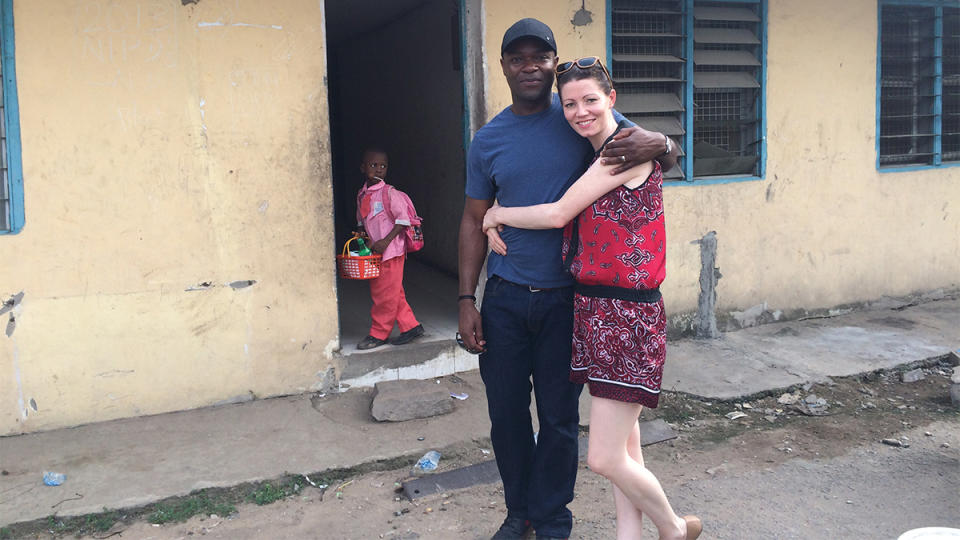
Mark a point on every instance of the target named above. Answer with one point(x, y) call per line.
point(623, 159)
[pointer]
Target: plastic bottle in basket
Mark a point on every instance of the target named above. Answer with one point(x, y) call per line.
point(364, 250)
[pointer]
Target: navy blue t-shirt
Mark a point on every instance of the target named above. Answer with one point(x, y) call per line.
point(522, 161)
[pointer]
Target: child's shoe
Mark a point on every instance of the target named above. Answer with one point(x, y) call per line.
point(408, 336)
point(370, 342)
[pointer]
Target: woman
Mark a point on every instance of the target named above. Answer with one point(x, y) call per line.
point(615, 248)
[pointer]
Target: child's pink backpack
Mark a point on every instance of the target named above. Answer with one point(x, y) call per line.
point(413, 235)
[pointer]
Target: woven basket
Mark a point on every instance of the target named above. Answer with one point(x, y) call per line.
point(358, 267)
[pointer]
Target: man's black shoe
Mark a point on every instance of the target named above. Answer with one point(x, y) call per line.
point(408, 336)
point(513, 528)
point(541, 537)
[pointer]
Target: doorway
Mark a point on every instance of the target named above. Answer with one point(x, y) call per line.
point(395, 79)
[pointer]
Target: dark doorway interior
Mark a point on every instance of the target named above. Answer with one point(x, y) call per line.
point(395, 79)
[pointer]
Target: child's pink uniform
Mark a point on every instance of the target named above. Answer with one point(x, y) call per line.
point(376, 219)
point(389, 300)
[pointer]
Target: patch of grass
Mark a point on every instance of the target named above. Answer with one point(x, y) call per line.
point(100, 522)
point(63, 526)
point(675, 415)
point(184, 508)
point(220, 501)
point(270, 492)
point(56, 525)
point(266, 494)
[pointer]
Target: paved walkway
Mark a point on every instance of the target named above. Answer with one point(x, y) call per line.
point(140, 460)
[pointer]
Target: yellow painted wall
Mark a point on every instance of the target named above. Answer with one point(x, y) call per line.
point(824, 227)
point(165, 146)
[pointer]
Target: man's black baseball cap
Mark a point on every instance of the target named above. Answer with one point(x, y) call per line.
point(528, 28)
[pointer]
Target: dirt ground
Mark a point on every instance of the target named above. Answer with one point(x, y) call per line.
point(781, 471)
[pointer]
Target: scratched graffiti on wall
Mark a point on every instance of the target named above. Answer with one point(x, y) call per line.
point(123, 34)
point(127, 48)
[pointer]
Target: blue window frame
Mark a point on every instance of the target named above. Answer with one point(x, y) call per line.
point(11, 184)
point(695, 70)
point(918, 84)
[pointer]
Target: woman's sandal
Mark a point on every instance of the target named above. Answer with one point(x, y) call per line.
point(694, 527)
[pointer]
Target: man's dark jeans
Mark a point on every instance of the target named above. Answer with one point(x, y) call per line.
point(529, 333)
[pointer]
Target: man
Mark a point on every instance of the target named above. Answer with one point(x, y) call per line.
point(528, 155)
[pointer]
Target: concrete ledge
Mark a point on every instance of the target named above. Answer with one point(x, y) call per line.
point(781, 355)
point(359, 363)
point(418, 360)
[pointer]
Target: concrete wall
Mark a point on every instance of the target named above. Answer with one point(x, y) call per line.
point(824, 228)
point(402, 85)
point(165, 146)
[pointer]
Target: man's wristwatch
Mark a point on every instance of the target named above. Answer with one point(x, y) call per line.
point(669, 146)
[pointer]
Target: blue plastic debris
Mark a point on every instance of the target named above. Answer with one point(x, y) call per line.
point(53, 478)
point(429, 461)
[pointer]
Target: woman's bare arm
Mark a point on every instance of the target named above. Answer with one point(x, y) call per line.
point(594, 183)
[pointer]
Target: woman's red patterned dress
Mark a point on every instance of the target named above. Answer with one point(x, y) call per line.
point(619, 331)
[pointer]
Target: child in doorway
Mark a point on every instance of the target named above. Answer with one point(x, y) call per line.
point(382, 216)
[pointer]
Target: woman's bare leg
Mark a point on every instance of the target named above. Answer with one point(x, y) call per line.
point(629, 517)
point(611, 425)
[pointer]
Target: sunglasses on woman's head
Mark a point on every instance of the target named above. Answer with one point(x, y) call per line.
point(586, 62)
